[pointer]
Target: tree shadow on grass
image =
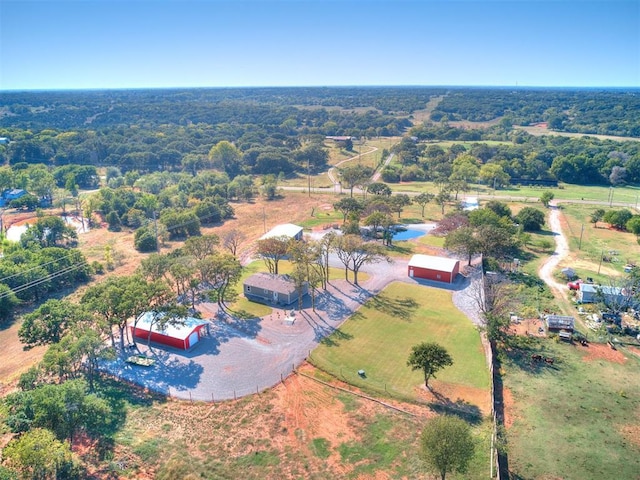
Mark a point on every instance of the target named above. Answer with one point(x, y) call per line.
point(466, 411)
point(401, 249)
point(402, 308)
point(336, 338)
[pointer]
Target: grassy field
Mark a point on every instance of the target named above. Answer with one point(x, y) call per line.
point(628, 195)
point(379, 337)
point(596, 241)
point(577, 419)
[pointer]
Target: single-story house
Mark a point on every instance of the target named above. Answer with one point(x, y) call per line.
point(183, 335)
point(11, 194)
point(272, 289)
point(440, 269)
point(555, 323)
point(285, 230)
point(590, 293)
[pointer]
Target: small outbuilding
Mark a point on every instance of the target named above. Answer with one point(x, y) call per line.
point(183, 334)
point(439, 269)
point(288, 230)
point(273, 289)
point(557, 323)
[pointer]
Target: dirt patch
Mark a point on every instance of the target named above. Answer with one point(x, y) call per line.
point(508, 404)
point(458, 396)
point(289, 421)
point(531, 327)
point(14, 360)
point(634, 350)
point(602, 351)
point(631, 433)
point(311, 411)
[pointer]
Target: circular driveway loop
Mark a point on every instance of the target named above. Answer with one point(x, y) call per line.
point(242, 357)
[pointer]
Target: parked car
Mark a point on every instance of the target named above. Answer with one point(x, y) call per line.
point(575, 285)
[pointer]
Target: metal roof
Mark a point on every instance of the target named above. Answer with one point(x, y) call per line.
point(285, 230)
point(606, 290)
point(272, 282)
point(181, 332)
point(442, 264)
point(560, 321)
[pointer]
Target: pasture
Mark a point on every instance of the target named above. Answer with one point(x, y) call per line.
point(597, 242)
point(576, 419)
point(378, 339)
point(379, 336)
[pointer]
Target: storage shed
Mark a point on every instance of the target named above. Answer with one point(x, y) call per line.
point(272, 289)
point(284, 230)
point(440, 269)
point(183, 336)
point(556, 323)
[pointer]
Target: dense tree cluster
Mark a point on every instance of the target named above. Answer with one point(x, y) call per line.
point(518, 159)
point(607, 112)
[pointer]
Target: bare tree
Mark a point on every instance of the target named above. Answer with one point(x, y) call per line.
point(232, 240)
point(272, 250)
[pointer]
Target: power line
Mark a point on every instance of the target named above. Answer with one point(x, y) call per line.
point(42, 280)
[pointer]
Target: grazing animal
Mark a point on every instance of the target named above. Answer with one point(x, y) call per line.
point(536, 357)
point(549, 360)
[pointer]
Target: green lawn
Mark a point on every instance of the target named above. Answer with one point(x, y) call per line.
point(576, 419)
point(378, 339)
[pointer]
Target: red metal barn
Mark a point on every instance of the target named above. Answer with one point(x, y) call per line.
point(439, 269)
point(183, 336)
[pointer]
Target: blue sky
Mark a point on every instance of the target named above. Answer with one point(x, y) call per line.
point(53, 44)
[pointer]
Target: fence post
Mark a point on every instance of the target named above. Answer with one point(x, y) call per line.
point(234, 395)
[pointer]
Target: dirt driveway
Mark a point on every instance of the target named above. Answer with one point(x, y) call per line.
point(561, 251)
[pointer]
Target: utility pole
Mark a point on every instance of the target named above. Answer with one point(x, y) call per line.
point(264, 220)
point(308, 177)
point(600, 264)
point(155, 229)
point(580, 242)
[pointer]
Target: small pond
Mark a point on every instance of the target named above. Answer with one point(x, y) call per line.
point(408, 234)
